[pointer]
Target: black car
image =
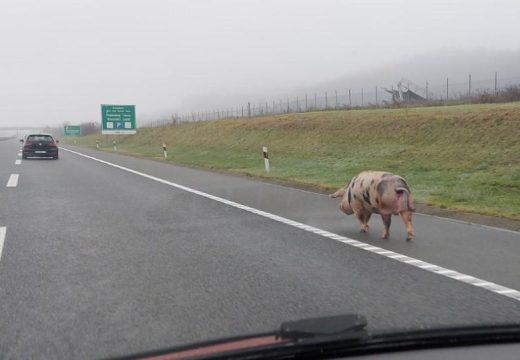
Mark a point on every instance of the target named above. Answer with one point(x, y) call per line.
point(40, 145)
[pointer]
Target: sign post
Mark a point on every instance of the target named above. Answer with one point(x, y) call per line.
point(118, 120)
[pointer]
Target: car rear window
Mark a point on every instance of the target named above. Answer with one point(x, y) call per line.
point(40, 138)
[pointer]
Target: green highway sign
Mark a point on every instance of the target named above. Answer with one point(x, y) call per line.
point(72, 130)
point(118, 119)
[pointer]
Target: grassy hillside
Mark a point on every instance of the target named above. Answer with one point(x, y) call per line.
point(459, 157)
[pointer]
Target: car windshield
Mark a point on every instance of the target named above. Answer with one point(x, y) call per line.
point(38, 138)
point(174, 172)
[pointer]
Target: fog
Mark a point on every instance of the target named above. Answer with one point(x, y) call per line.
point(59, 60)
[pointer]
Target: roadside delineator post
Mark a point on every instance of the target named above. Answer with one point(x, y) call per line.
point(75, 142)
point(266, 158)
point(115, 145)
point(164, 150)
point(97, 144)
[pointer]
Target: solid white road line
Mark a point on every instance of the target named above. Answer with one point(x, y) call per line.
point(13, 180)
point(18, 162)
point(468, 279)
point(3, 230)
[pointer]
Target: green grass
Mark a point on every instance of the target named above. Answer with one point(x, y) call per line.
point(463, 157)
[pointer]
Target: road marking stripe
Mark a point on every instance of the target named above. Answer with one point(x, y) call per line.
point(19, 154)
point(3, 230)
point(18, 162)
point(13, 180)
point(451, 274)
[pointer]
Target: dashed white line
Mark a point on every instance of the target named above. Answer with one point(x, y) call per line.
point(19, 154)
point(451, 274)
point(13, 180)
point(3, 231)
point(18, 162)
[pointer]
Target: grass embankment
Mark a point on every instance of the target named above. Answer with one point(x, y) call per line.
point(459, 157)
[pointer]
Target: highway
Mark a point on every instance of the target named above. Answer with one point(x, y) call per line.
point(105, 254)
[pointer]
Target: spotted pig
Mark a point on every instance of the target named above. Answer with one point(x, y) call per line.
point(378, 192)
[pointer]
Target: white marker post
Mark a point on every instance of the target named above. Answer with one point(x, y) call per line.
point(266, 158)
point(115, 145)
point(97, 144)
point(164, 150)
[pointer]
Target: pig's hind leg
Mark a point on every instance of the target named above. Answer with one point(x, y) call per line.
point(407, 219)
point(363, 216)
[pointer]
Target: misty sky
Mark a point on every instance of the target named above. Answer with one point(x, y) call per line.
point(59, 60)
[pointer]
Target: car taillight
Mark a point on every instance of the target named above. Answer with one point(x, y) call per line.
point(53, 144)
point(27, 144)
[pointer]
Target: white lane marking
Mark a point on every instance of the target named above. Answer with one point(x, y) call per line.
point(19, 154)
point(18, 162)
point(516, 232)
point(13, 180)
point(3, 230)
point(451, 274)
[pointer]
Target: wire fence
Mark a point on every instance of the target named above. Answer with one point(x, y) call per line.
point(404, 93)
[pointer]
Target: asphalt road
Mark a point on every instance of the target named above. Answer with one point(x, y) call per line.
point(99, 261)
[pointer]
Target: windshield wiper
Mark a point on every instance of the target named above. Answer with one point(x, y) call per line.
point(328, 337)
point(348, 327)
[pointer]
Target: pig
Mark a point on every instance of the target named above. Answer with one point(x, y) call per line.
point(378, 192)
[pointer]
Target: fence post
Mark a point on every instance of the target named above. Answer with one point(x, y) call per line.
point(496, 84)
point(349, 98)
point(165, 153)
point(362, 102)
point(336, 93)
point(305, 102)
point(297, 104)
point(426, 89)
point(273, 108)
point(376, 96)
point(469, 89)
point(315, 101)
point(248, 109)
point(326, 101)
point(288, 106)
point(447, 89)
